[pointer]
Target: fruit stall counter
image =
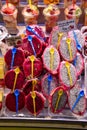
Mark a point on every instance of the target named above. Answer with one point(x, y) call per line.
point(64, 120)
point(43, 77)
point(41, 123)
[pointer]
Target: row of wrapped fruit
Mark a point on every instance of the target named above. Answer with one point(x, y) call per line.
point(51, 14)
point(36, 2)
point(41, 69)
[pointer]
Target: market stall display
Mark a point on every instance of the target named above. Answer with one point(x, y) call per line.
point(42, 69)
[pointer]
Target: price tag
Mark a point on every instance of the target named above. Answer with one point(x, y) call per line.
point(66, 25)
point(51, 1)
point(13, 40)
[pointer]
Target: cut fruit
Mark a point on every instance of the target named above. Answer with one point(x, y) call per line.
point(51, 59)
point(37, 67)
point(11, 101)
point(67, 74)
point(35, 102)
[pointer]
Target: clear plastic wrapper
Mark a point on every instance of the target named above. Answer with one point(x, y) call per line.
point(9, 14)
point(30, 14)
point(73, 12)
point(51, 14)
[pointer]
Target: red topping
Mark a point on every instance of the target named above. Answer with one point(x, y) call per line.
point(71, 11)
point(52, 12)
point(8, 10)
point(28, 10)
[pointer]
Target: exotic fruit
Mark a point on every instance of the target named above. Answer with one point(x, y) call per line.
point(16, 57)
point(14, 79)
point(78, 63)
point(78, 38)
point(48, 83)
point(35, 30)
point(58, 99)
point(77, 100)
point(15, 101)
point(35, 102)
point(32, 67)
point(67, 49)
point(56, 37)
point(51, 59)
point(30, 85)
point(32, 45)
point(67, 74)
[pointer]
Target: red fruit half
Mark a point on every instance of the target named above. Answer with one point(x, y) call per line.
point(18, 58)
point(37, 29)
point(37, 44)
point(37, 65)
point(27, 88)
point(39, 103)
point(11, 101)
point(10, 78)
